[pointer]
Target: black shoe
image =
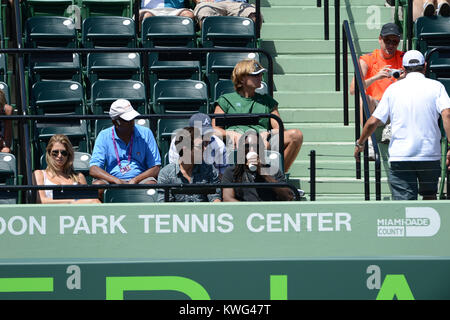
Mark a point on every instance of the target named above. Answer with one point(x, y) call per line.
point(444, 9)
point(429, 10)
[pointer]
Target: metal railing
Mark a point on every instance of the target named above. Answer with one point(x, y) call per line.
point(347, 41)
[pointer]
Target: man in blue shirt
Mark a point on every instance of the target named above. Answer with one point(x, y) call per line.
point(237, 8)
point(125, 153)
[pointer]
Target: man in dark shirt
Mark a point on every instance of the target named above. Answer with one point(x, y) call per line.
point(253, 170)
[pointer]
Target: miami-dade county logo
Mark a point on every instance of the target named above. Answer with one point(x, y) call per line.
point(418, 222)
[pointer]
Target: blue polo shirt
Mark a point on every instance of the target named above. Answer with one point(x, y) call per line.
point(145, 153)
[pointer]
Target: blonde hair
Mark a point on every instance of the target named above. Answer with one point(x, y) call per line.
point(68, 166)
point(242, 68)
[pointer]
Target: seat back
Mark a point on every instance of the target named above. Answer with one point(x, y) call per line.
point(5, 88)
point(228, 31)
point(165, 129)
point(48, 7)
point(130, 195)
point(439, 65)
point(180, 96)
point(123, 8)
point(3, 68)
point(57, 97)
point(51, 69)
point(113, 66)
point(108, 31)
point(220, 65)
point(431, 31)
point(50, 31)
point(168, 31)
point(8, 176)
point(105, 92)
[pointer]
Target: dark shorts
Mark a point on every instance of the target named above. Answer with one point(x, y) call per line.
point(410, 178)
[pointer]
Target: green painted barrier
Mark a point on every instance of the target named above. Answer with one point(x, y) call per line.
point(280, 251)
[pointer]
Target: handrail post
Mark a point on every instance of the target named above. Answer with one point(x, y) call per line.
point(410, 23)
point(357, 128)
point(258, 18)
point(312, 175)
point(345, 74)
point(326, 19)
point(337, 49)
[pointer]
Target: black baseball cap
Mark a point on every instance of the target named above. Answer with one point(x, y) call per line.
point(390, 29)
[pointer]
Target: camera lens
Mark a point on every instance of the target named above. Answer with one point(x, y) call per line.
point(396, 74)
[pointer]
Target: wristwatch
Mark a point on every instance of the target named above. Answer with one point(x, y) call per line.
point(358, 145)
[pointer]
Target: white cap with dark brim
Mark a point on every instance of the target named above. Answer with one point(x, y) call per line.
point(413, 58)
point(122, 108)
point(257, 69)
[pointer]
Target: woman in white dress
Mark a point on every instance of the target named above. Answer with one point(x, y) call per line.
point(59, 156)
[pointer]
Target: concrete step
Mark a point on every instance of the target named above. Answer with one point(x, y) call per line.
point(306, 82)
point(372, 16)
point(343, 186)
point(307, 63)
point(311, 31)
point(313, 115)
point(311, 3)
point(312, 99)
point(280, 47)
point(319, 132)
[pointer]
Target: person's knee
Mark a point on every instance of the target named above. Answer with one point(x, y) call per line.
point(187, 14)
point(295, 136)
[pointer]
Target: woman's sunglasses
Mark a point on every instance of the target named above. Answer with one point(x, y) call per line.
point(55, 153)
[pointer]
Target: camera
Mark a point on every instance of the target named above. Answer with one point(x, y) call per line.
point(395, 73)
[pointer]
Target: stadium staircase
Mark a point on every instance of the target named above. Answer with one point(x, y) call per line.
point(304, 86)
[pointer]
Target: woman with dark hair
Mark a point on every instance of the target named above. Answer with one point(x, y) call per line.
point(60, 171)
point(5, 125)
point(251, 168)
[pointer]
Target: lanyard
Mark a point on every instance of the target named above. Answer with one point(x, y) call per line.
point(117, 152)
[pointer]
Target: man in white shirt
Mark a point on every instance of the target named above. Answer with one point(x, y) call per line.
point(215, 152)
point(413, 105)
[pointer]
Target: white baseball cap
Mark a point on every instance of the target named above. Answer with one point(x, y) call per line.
point(413, 58)
point(257, 69)
point(122, 108)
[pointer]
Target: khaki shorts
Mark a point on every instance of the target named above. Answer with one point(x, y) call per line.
point(162, 12)
point(223, 8)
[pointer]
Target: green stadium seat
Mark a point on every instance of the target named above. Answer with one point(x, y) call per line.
point(180, 96)
point(50, 31)
point(165, 129)
point(123, 8)
point(5, 88)
point(130, 195)
point(446, 83)
point(159, 70)
point(108, 31)
point(57, 97)
point(220, 65)
point(56, 70)
point(47, 7)
point(430, 32)
point(228, 31)
point(77, 132)
point(3, 68)
point(439, 65)
point(8, 176)
point(168, 31)
point(113, 66)
point(105, 92)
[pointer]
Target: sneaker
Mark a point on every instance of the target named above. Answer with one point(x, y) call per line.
point(443, 9)
point(428, 9)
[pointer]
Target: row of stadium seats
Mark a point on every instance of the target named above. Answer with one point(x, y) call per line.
point(117, 31)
